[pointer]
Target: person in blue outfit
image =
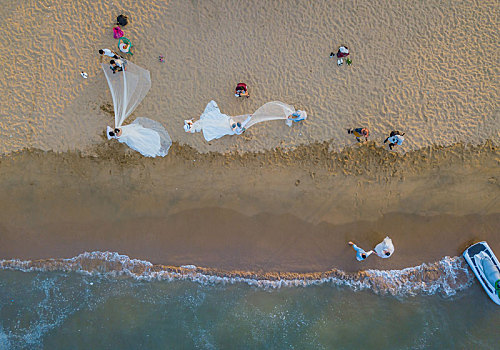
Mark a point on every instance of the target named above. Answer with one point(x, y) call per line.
point(361, 254)
point(296, 116)
point(396, 138)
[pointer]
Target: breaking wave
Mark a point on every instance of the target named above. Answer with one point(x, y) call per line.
point(445, 277)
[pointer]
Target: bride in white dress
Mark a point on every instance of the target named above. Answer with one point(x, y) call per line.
point(215, 125)
point(128, 88)
point(144, 135)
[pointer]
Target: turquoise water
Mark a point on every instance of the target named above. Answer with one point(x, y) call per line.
point(71, 310)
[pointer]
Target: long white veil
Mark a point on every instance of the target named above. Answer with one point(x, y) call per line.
point(270, 111)
point(128, 88)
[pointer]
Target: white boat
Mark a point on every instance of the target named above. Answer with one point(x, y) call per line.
point(486, 267)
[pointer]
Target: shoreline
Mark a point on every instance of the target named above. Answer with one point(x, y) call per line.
point(444, 277)
point(270, 211)
point(242, 242)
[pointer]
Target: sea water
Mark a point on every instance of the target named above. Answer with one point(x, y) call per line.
point(75, 310)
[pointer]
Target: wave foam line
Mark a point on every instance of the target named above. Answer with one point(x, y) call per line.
point(446, 276)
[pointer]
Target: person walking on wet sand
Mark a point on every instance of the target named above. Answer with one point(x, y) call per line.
point(359, 133)
point(396, 138)
point(361, 254)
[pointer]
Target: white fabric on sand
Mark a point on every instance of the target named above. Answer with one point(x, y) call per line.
point(214, 124)
point(128, 88)
point(146, 136)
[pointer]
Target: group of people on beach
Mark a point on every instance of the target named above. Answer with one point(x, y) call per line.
point(394, 139)
point(117, 64)
point(385, 249)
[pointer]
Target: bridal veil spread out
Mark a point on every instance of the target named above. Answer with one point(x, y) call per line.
point(128, 88)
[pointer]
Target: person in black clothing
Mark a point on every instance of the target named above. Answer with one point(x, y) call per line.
point(116, 66)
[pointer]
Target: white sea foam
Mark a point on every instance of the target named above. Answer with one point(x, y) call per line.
point(4, 339)
point(445, 277)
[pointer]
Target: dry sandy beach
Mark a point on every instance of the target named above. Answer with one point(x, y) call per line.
point(276, 198)
point(429, 68)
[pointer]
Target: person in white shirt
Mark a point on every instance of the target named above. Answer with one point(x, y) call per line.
point(361, 254)
point(385, 249)
point(108, 52)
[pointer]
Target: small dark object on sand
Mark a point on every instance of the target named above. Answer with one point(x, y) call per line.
point(122, 20)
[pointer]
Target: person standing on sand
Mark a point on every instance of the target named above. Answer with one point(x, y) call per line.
point(385, 249)
point(108, 52)
point(359, 133)
point(360, 252)
point(396, 138)
point(342, 52)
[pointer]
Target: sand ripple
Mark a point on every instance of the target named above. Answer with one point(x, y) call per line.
point(428, 68)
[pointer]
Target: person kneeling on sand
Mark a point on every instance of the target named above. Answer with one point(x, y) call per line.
point(241, 90)
point(115, 133)
point(188, 126)
point(359, 133)
point(296, 117)
point(361, 254)
point(116, 65)
point(396, 138)
point(385, 249)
